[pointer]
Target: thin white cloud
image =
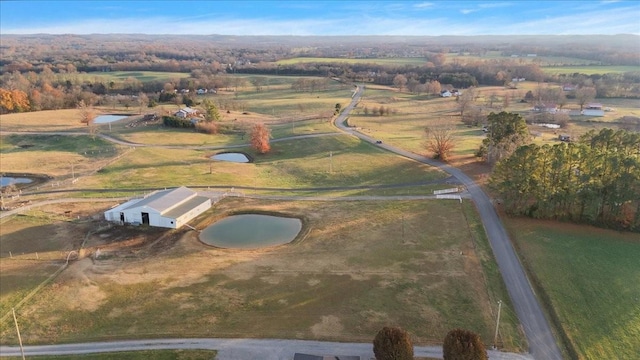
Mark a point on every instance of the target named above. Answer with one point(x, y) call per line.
point(494, 5)
point(423, 5)
point(468, 11)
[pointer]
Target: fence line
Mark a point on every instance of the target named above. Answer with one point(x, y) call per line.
point(451, 197)
point(446, 191)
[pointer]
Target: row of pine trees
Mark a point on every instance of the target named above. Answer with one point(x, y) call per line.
point(595, 180)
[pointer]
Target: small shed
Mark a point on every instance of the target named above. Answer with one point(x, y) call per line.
point(170, 208)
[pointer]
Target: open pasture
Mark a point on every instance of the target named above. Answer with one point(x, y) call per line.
point(377, 61)
point(331, 161)
point(418, 264)
point(590, 276)
point(142, 76)
point(590, 69)
point(55, 155)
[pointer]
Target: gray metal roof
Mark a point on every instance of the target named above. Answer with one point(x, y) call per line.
point(164, 200)
point(185, 207)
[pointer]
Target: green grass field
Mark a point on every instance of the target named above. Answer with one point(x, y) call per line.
point(378, 61)
point(590, 69)
point(300, 163)
point(142, 76)
point(592, 277)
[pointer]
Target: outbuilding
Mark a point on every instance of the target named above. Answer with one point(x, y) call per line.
point(170, 208)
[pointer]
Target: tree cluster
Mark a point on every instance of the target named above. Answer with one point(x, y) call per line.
point(394, 343)
point(595, 180)
point(507, 131)
point(176, 122)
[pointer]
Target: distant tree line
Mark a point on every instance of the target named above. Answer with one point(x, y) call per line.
point(595, 180)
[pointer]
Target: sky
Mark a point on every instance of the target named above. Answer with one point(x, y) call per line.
point(431, 17)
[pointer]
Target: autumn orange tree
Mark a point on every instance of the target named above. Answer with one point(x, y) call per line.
point(260, 135)
point(13, 101)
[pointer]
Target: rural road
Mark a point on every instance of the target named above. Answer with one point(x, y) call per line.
point(235, 349)
point(542, 344)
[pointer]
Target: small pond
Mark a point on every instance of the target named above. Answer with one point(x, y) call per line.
point(231, 157)
point(104, 119)
point(251, 231)
point(8, 180)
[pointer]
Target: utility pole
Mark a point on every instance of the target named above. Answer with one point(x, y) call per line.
point(18, 331)
point(495, 338)
point(73, 173)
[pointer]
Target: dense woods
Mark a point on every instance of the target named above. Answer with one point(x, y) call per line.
point(595, 180)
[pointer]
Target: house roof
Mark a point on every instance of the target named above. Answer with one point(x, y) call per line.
point(164, 200)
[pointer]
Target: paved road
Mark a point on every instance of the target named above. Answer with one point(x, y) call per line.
point(542, 344)
point(235, 349)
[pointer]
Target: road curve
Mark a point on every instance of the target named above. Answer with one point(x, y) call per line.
point(234, 349)
point(542, 344)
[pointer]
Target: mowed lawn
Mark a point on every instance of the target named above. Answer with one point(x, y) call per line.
point(592, 277)
point(361, 266)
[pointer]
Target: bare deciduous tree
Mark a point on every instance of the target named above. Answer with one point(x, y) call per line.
point(440, 140)
point(86, 113)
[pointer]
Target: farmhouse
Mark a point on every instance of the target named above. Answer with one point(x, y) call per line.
point(170, 208)
point(186, 112)
point(445, 93)
point(593, 109)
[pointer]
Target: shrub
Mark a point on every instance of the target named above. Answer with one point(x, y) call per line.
point(393, 343)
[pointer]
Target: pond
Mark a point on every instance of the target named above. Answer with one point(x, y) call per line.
point(104, 119)
point(231, 157)
point(8, 180)
point(251, 231)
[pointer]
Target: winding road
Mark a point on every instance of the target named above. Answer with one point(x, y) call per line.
point(542, 344)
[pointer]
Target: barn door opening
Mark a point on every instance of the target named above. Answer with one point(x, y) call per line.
point(122, 217)
point(145, 218)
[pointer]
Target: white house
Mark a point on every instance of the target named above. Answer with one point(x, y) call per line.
point(186, 112)
point(445, 93)
point(170, 208)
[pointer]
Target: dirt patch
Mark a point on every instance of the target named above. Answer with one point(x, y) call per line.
point(328, 326)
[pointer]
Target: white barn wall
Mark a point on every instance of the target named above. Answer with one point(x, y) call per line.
point(133, 213)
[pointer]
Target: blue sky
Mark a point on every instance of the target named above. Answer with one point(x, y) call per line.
point(321, 17)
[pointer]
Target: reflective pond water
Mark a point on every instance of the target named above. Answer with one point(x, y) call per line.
point(231, 157)
point(8, 180)
point(104, 119)
point(251, 231)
